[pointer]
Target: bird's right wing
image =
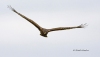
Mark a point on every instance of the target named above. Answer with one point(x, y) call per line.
point(31, 21)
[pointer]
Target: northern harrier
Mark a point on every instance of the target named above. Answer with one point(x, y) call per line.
point(44, 31)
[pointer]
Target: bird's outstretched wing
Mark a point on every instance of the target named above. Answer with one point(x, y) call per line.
point(31, 21)
point(66, 28)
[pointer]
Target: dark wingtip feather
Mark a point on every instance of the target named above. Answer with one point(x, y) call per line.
point(9, 6)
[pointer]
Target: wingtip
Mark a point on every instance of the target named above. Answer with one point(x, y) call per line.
point(82, 25)
point(9, 6)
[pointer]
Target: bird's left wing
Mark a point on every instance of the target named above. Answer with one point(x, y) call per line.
point(66, 28)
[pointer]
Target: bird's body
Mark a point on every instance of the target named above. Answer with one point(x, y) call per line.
point(44, 31)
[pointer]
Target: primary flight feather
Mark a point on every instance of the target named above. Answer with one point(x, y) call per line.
point(44, 31)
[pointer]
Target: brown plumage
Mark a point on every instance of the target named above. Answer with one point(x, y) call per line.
point(44, 31)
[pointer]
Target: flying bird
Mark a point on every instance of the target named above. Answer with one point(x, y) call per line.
point(44, 31)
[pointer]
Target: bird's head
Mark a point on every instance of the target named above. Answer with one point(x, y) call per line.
point(44, 35)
